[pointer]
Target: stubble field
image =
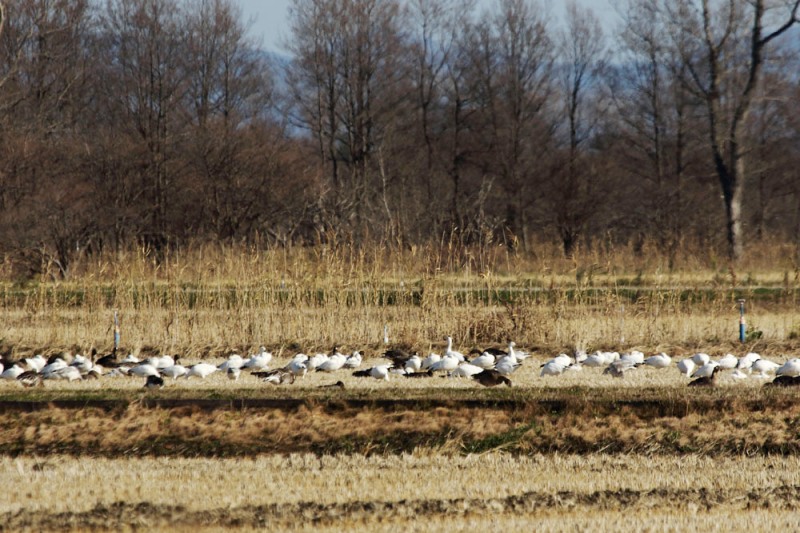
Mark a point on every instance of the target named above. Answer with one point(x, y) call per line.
point(578, 451)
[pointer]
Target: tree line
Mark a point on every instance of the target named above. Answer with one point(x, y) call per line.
point(161, 123)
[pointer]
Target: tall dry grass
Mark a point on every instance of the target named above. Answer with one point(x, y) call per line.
point(213, 298)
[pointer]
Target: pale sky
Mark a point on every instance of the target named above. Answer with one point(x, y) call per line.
point(270, 16)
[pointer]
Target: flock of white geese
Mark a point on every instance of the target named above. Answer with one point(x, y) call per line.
point(489, 367)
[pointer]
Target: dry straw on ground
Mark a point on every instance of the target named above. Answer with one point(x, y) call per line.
point(425, 489)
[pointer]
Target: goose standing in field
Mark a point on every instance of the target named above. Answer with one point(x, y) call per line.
point(634, 356)
point(354, 360)
point(143, 370)
point(596, 360)
point(83, 364)
point(413, 364)
point(68, 373)
point(174, 371)
point(465, 370)
point(278, 376)
point(660, 360)
point(686, 367)
point(452, 353)
point(53, 365)
point(14, 371)
point(377, 372)
point(765, 366)
point(706, 380)
point(259, 361)
point(618, 369)
point(707, 370)
point(333, 363)
point(447, 363)
point(201, 370)
point(317, 359)
point(486, 360)
point(154, 382)
point(552, 368)
point(789, 368)
point(507, 365)
point(425, 374)
point(36, 363)
point(784, 381)
point(746, 363)
point(728, 361)
point(431, 360)
point(380, 372)
point(491, 378)
point(298, 365)
point(106, 361)
point(130, 359)
point(234, 361)
point(30, 378)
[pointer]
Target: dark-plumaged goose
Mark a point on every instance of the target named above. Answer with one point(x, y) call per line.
point(108, 360)
point(279, 376)
point(784, 381)
point(426, 374)
point(30, 378)
point(491, 378)
point(154, 382)
point(337, 385)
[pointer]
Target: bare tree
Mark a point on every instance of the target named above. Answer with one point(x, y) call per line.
point(583, 55)
point(723, 46)
point(344, 76)
point(513, 58)
point(145, 84)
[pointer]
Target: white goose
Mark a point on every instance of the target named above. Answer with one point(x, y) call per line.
point(143, 370)
point(789, 368)
point(316, 361)
point(485, 361)
point(686, 366)
point(380, 372)
point(465, 370)
point(174, 371)
point(413, 364)
point(660, 360)
point(519, 355)
point(728, 361)
point(259, 361)
point(431, 360)
point(452, 353)
point(765, 366)
point(746, 362)
point(552, 368)
point(36, 363)
point(12, 372)
point(333, 363)
point(234, 361)
point(201, 370)
point(448, 363)
point(354, 361)
point(297, 366)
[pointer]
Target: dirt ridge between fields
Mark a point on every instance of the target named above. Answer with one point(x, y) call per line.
point(144, 514)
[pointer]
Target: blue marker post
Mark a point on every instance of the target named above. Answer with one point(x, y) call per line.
point(742, 326)
point(116, 331)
